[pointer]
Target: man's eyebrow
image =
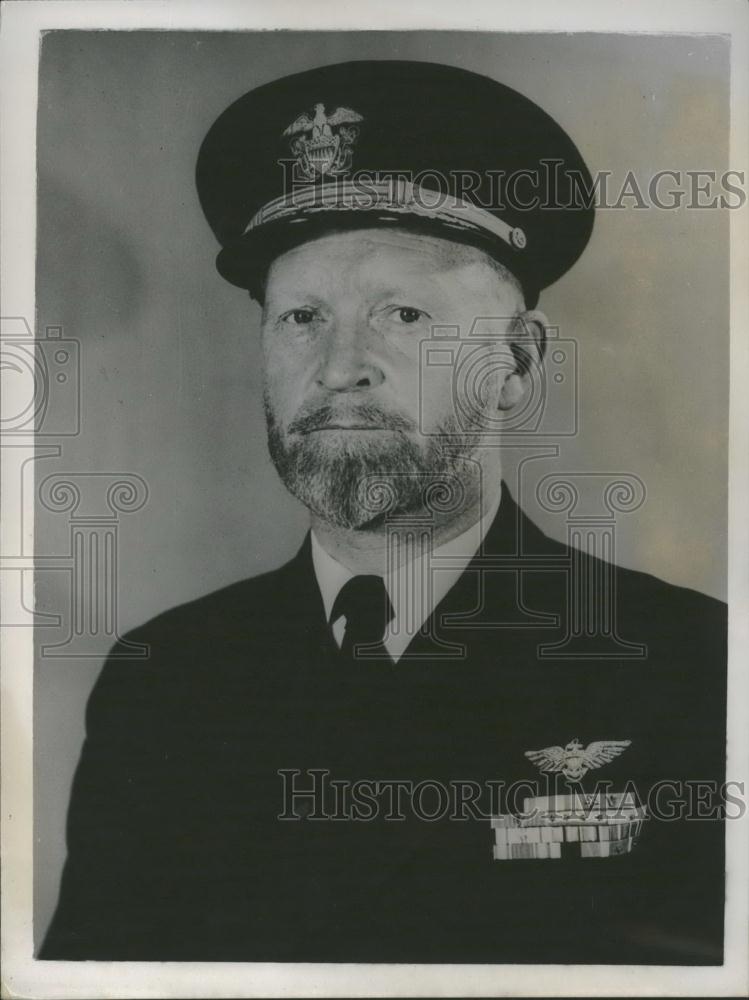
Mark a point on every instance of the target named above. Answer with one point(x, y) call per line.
point(292, 296)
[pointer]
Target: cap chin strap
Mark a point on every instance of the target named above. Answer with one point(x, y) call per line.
point(395, 197)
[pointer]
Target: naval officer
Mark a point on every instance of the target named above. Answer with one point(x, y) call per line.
point(420, 637)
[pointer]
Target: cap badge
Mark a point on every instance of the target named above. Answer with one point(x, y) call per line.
point(320, 150)
point(574, 760)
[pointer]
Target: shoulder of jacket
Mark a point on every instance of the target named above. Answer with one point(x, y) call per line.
point(651, 592)
point(251, 598)
point(172, 644)
point(633, 586)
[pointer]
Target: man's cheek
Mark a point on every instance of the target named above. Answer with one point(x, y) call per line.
point(281, 389)
point(288, 372)
point(434, 402)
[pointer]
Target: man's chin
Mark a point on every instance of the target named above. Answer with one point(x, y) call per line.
point(352, 491)
point(357, 481)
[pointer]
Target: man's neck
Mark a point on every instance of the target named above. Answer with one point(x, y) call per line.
point(366, 551)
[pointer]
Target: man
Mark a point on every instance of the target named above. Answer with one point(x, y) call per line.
point(268, 786)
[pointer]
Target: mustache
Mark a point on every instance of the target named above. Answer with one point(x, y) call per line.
point(365, 415)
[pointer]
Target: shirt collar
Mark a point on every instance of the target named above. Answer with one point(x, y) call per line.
point(425, 589)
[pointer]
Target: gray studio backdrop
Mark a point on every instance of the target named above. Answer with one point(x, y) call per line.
point(169, 362)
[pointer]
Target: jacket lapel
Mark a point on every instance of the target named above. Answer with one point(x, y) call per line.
point(514, 561)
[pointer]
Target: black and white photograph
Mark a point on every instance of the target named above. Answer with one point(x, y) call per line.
point(373, 545)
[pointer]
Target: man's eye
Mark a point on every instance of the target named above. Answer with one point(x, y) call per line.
point(299, 317)
point(407, 314)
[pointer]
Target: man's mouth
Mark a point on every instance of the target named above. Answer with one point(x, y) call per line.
point(362, 420)
point(348, 427)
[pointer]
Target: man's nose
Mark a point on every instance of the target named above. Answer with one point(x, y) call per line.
point(348, 363)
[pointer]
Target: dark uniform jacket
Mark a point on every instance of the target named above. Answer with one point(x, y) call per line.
point(175, 848)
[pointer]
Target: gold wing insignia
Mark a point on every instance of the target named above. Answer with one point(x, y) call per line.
point(550, 759)
point(574, 760)
point(603, 752)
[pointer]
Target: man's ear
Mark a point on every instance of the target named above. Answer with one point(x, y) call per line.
point(527, 341)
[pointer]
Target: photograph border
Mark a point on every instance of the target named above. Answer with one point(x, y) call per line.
point(20, 32)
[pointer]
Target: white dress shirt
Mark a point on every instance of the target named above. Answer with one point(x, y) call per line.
point(415, 587)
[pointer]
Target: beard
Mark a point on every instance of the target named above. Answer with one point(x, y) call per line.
point(358, 480)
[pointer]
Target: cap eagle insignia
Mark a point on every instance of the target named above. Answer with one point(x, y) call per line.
point(574, 760)
point(319, 149)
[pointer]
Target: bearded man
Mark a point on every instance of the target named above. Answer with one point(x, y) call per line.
point(269, 785)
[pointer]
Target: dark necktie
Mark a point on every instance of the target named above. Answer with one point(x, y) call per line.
point(364, 602)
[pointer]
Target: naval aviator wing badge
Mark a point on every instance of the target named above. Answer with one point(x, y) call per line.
point(598, 825)
point(574, 761)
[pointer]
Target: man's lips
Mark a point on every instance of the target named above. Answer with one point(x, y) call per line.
point(348, 427)
point(363, 419)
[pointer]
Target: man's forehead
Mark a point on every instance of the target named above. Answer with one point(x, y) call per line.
point(382, 250)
